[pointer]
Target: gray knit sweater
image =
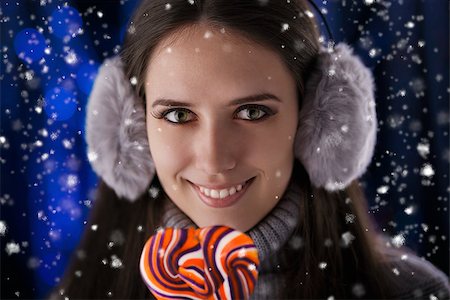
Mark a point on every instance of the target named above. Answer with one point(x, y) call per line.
point(411, 277)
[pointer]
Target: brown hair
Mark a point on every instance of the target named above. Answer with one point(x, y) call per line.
point(324, 216)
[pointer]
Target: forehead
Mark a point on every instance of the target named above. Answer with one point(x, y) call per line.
point(199, 59)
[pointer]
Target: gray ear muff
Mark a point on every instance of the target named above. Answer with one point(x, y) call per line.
point(336, 135)
point(116, 134)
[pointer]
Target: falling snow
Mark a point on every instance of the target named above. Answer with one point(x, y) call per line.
point(48, 78)
point(347, 238)
point(2, 228)
point(116, 262)
point(12, 248)
point(398, 240)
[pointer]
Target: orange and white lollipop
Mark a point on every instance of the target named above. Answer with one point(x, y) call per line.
point(215, 262)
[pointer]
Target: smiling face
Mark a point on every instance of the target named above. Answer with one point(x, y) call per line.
point(221, 111)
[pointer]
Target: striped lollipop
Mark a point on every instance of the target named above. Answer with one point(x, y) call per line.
point(214, 262)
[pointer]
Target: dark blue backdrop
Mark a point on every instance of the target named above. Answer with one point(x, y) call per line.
point(50, 54)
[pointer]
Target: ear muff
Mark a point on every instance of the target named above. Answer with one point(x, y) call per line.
point(116, 135)
point(336, 135)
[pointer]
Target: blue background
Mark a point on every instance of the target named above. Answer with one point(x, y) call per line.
point(50, 55)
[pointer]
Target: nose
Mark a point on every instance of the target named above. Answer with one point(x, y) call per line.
point(215, 150)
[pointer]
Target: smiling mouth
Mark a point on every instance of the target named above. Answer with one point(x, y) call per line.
point(224, 197)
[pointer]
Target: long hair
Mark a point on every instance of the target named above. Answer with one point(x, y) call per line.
point(106, 262)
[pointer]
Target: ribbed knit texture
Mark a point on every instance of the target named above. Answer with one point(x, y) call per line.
point(411, 278)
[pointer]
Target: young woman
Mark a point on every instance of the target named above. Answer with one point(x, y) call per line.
point(230, 113)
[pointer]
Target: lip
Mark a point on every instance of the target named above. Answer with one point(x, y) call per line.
point(225, 202)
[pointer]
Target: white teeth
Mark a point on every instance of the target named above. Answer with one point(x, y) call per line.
point(224, 193)
point(220, 193)
point(214, 194)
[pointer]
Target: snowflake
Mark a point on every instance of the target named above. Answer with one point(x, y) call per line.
point(322, 265)
point(251, 267)
point(242, 252)
point(423, 149)
point(12, 248)
point(409, 210)
point(382, 189)
point(347, 238)
point(284, 27)
point(427, 170)
point(358, 290)
point(92, 156)
point(398, 240)
point(115, 262)
point(349, 218)
point(154, 192)
point(2, 228)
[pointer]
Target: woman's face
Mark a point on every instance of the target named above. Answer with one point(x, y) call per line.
point(220, 112)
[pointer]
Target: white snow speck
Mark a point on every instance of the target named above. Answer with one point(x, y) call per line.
point(208, 34)
point(251, 267)
point(92, 156)
point(242, 252)
point(115, 262)
point(284, 27)
point(154, 192)
point(2, 228)
point(309, 13)
point(427, 170)
point(423, 149)
point(71, 58)
point(131, 29)
point(382, 189)
point(12, 248)
point(347, 238)
point(349, 218)
point(410, 25)
point(322, 265)
point(409, 210)
point(398, 240)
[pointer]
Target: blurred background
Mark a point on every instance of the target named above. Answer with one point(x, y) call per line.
point(50, 53)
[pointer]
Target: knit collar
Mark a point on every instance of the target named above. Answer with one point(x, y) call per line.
point(269, 235)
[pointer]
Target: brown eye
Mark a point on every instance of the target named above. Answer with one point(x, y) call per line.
point(253, 112)
point(178, 115)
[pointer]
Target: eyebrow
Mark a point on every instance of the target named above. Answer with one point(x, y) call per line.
point(252, 98)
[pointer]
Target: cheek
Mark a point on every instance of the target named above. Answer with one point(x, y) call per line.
point(166, 152)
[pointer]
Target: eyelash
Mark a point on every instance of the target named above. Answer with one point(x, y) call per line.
point(162, 115)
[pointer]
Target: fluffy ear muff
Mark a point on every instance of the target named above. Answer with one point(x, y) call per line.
point(336, 134)
point(116, 135)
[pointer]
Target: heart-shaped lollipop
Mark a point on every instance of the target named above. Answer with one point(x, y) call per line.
point(214, 262)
